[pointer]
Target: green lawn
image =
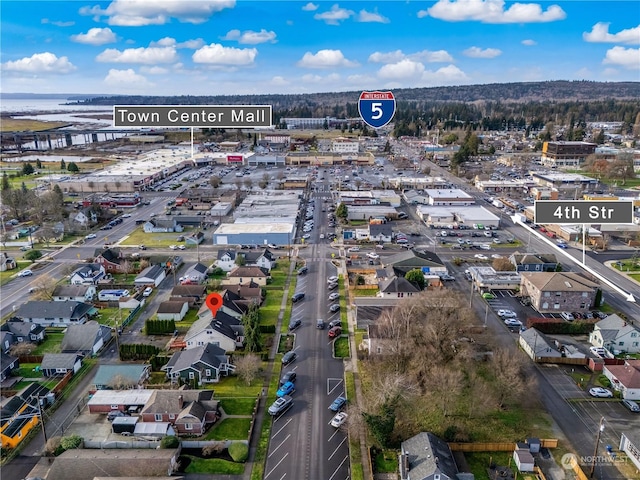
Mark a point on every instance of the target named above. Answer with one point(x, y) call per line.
point(479, 462)
point(237, 405)
point(232, 386)
point(112, 316)
point(188, 320)
point(635, 276)
point(9, 274)
point(271, 308)
point(286, 343)
point(50, 345)
point(365, 292)
point(341, 347)
point(385, 461)
point(27, 370)
point(213, 466)
point(230, 429)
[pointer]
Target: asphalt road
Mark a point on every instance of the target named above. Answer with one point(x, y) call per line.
point(303, 445)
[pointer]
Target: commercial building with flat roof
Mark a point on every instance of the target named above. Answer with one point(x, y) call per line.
point(449, 196)
point(566, 154)
point(457, 215)
point(563, 180)
point(254, 234)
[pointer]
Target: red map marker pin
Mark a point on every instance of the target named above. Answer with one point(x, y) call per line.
point(214, 302)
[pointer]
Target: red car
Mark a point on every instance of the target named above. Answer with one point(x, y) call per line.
point(335, 332)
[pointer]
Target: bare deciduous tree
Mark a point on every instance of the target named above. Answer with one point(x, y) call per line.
point(503, 265)
point(510, 375)
point(120, 382)
point(248, 367)
point(22, 348)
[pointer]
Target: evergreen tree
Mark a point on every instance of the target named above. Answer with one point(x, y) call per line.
point(27, 169)
point(63, 165)
point(5, 182)
point(72, 167)
point(38, 164)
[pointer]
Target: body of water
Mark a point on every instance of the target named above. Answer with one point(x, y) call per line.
point(16, 105)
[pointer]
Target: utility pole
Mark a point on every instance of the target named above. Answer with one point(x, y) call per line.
point(595, 449)
point(44, 432)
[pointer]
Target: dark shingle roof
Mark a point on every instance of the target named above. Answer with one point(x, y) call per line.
point(428, 455)
point(80, 337)
point(208, 354)
point(171, 307)
point(58, 360)
point(399, 285)
point(49, 309)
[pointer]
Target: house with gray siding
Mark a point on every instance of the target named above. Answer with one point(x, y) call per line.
point(426, 457)
point(558, 291)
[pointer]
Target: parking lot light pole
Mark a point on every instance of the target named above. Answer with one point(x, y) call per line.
point(595, 449)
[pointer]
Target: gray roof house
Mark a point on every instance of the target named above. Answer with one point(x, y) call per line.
point(8, 363)
point(203, 364)
point(195, 274)
point(173, 310)
point(22, 332)
point(397, 287)
point(224, 331)
point(162, 225)
point(428, 262)
point(192, 293)
point(226, 260)
point(534, 262)
point(153, 275)
point(616, 335)
point(380, 232)
point(78, 292)
point(426, 457)
point(537, 345)
point(189, 411)
point(88, 274)
point(55, 314)
point(195, 238)
point(54, 364)
point(110, 377)
point(259, 258)
point(87, 338)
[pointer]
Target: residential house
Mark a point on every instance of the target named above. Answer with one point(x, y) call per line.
point(616, 335)
point(8, 363)
point(630, 444)
point(558, 291)
point(88, 274)
point(102, 464)
point(111, 259)
point(247, 275)
point(223, 331)
point(86, 339)
point(380, 232)
point(59, 364)
point(121, 376)
point(153, 275)
point(234, 304)
point(22, 332)
point(172, 310)
point(105, 400)
point(197, 366)
point(534, 262)
point(190, 412)
point(84, 217)
point(75, 293)
point(55, 314)
point(6, 340)
point(195, 274)
point(7, 262)
point(195, 238)
point(625, 378)
point(426, 457)
point(264, 259)
point(194, 294)
point(226, 260)
point(403, 262)
point(250, 293)
point(379, 341)
point(20, 414)
point(162, 225)
point(537, 345)
point(397, 287)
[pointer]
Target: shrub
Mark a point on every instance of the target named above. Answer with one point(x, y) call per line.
point(54, 446)
point(72, 441)
point(170, 441)
point(214, 449)
point(604, 381)
point(32, 255)
point(239, 452)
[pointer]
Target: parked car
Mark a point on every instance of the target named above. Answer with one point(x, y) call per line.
point(488, 296)
point(353, 249)
point(337, 404)
point(332, 285)
point(373, 255)
point(297, 297)
point(339, 419)
point(289, 357)
point(289, 376)
point(335, 332)
point(286, 389)
point(513, 322)
point(147, 292)
point(303, 270)
point(334, 296)
point(334, 308)
point(332, 279)
point(281, 405)
point(568, 316)
point(598, 351)
point(631, 405)
point(113, 414)
point(506, 313)
point(335, 323)
point(293, 324)
point(600, 392)
point(90, 236)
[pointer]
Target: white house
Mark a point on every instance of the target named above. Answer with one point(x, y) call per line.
point(153, 275)
point(84, 217)
point(616, 335)
point(625, 378)
point(226, 260)
point(196, 274)
point(537, 345)
point(220, 333)
point(172, 310)
point(260, 258)
point(76, 293)
point(88, 274)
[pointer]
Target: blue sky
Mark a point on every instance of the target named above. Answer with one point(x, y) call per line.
point(175, 47)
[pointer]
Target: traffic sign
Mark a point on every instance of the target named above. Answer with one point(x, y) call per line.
point(583, 211)
point(377, 108)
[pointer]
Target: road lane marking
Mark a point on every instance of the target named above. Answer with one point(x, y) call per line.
point(277, 465)
point(281, 443)
point(281, 428)
point(337, 448)
point(338, 468)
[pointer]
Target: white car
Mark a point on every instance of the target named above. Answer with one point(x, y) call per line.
point(181, 247)
point(25, 273)
point(373, 255)
point(306, 236)
point(332, 279)
point(600, 392)
point(339, 419)
point(173, 247)
point(322, 235)
point(598, 351)
point(334, 296)
point(480, 256)
point(495, 255)
point(126, 215)
point(90, 236)
point(353, 249)
point(507, 313)
point(513, 322)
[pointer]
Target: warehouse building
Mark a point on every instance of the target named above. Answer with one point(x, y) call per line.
point(457, 215)
point(255, 234)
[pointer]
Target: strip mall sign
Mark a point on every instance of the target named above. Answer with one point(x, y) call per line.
point(235, 158)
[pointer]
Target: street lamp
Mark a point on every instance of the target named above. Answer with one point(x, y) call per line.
point(595, 449)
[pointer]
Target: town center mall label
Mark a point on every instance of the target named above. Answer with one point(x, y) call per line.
point(186, 116)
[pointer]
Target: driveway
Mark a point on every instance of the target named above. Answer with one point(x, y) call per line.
point(559, 378)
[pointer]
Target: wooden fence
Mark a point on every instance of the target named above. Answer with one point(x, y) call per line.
point(496, 446)
point(30, 358)
point(563, 360)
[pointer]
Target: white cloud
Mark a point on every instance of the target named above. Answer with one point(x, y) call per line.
point(403, 70)
point(310, 7)
point(600, 34)
point(371, 17)
point(424, 56)
point(477, 52)
point(147, 56)
point(216, 54)
point(445, 75)
point(155, 70)
point(411, 73)
point(249, 37)
point(311, 78)
point(279, 81)
point(624, 57)
point(334, 16)
point(172, 42)
point(135, 13)
point(126, 79)
point(325, 59)
point(57, 23)
point(95, 36)
point(37, 63)
point(529, 42)
point(492, 11)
